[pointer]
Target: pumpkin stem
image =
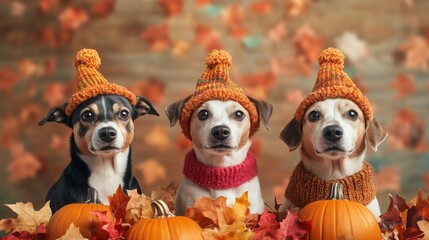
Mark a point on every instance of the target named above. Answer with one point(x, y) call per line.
point(336, 191)
point(160, 209)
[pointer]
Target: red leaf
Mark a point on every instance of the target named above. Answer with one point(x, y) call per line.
point(268, 227)
point(172, 7)
point(404, 84)
point(46, 5)
point(392, 217)
point(207, 37)
point(156, 37)
point(152, 89)
point(8, 79)
point(103, 8)
point(118, 203)
point(107, 224)
point(72, 18)
point(263, 6)
point(307, 44)
point(293, 227)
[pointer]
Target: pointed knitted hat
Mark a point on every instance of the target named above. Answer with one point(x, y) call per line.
point(215, 84)
point(333, 82)
point(90, 83)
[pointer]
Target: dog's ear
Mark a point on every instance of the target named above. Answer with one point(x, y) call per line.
point(264, 110)
point(144, 106)
point(375, 134)
point(57, 114)
point(291, 134)
point(173, 110)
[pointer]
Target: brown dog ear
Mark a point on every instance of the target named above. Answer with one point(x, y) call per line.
point(57, 114)
point(291, 134)
point(173, 110)
point(143, 107)
point(375, 134)
point(264, 110)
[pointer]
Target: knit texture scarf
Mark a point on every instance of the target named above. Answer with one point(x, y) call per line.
point(219, 177)
point(304, 187)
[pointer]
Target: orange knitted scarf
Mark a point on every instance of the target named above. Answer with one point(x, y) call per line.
point(304, 187)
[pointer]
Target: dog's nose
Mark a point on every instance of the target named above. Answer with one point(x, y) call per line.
point(107, 134)
point(221, 132)
point(333, 133)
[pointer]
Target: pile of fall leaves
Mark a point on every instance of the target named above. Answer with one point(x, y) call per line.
point(219, 222)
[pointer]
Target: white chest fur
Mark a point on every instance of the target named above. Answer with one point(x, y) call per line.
point(107, 173)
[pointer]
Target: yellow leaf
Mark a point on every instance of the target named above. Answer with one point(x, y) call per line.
point(424, 227)
point(28, 219)
point(138, 207)
point(72, 233)
point(236, 231)
point(241, 208)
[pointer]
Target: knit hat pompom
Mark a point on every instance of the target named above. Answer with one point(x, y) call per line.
point(218, 57)
point(88, 58)
point(331, 56)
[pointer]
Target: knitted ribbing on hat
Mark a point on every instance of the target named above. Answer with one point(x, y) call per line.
point(90, 83)
point(215, 84)
point(333, 82)
point(218, 177)
point(304, 187)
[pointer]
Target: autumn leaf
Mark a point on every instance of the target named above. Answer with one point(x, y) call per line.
point(23, 165)
point(261, 6)
point(103, 8)
point(27, 68)
point(209, 213)
point(72, 18)
point(139, 207)
point(293, 227)
point(296, 7)
point(277, 33)
point(153, 89)
point(182, 143)
point(416, 51)
point(404, 84)
point(179, 48)
point(118, 203)
point(55, 94)
point(46, 5)
point(268, 227)
point(307, 45)
point(233, 15)
point(352, 46)
point(156, 37)
point(166, 194)
point(28, 219)
point(8, 79)
point(207, 37)
point(72, 233)
point(258, 84)
point(115, 230)
point(392, 217)
point(17, 9)
point(149, 172)
point(171, 7)
point(158, 138)
point(406, 131)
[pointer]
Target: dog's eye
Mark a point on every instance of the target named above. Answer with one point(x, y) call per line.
point(352, 114)
point(124, 114)
point(313, 116)
point(88, 116)
point(203, 115)
point(239, 115)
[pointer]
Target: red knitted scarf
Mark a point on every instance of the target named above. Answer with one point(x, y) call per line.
point(219, 177)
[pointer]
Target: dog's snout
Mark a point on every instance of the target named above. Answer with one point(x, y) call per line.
point(333, 133)
point(107, 134)
point(221, 132)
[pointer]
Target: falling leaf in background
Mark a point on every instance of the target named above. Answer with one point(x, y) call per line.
point(171, 7)
point(207, 37)
point(307, 45)
point(47, 36)
point(261, 6)
point(23, 165)
point(166, 194)
point(46, 5)
point(148, 172)
point(388, 179)
point(72, 18)
point(28, 219)
point(156, 37)
point(296, 7)
point(103, 8)
point(8, 79)
point(257, 84)
point(59, 143)
point(179, 48)
point(277, 33)
point(238, 32)
point(352, 46)
point(72, 233)
point(50, 65)
point(416, 50)
point(152, 89)
point(406, 131)
point(294, 96)
point(55, 94)
point(139, 207)
point(158, 138)
point(233, 14)
point(279, 66)
point(27, 68)
point(17, 9)
point(29, 113)
point(404, 84)
point(9, 129)
point(182, 143)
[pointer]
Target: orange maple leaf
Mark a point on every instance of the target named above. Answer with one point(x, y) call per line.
point(28, 219)
point(156, 37)
point(103, 8)
point(207, 37)
point(23, 165)
point(72, 18)
point(404, 84)
point(416, 50)
point(171, 7)
point(307, 48)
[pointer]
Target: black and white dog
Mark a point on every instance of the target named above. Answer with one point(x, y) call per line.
point(100, 146)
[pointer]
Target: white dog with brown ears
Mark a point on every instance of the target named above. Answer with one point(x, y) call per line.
point(334, 125)
point(220, 120)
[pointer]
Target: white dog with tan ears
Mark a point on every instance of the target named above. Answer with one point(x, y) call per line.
point(220, 120)
point(334, 125)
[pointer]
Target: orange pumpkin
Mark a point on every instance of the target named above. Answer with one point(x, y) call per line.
point(80, 215)
point(164, 226)
point(340, 218)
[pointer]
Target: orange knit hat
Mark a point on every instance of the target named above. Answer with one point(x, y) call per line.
point(91, 83)
point(333, 82)
point(215, 84)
